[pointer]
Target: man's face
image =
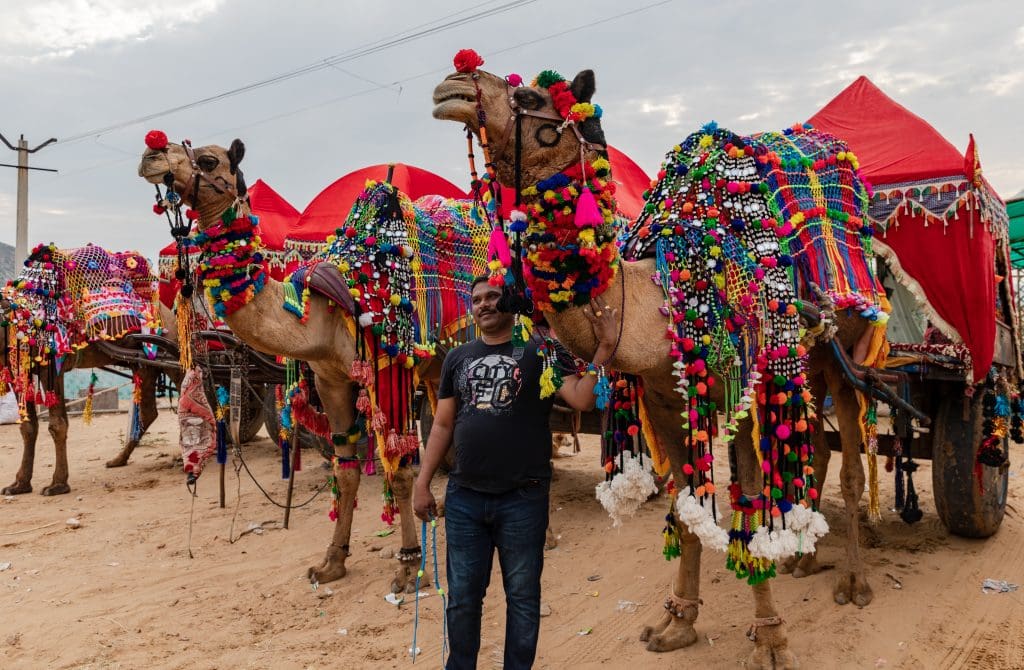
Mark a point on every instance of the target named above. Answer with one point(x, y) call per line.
point(485, 308)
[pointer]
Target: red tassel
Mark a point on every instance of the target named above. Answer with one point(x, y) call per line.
point(587, 213)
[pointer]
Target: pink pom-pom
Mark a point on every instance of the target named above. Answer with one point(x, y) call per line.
point(514, 79)
point(782, 432)
point(587, 213)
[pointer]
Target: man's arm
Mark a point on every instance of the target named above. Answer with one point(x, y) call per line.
point(438, 443)
point(578, 391)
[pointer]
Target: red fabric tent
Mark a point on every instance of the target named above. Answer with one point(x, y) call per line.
point(935, 217)
point(631, 182)
point(328, 210)
point(275, 214)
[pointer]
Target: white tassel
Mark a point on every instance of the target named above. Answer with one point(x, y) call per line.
point(700, 521)
point(627, 490)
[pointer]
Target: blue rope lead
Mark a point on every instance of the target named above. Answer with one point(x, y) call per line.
point(419, 575)
point(440, 591)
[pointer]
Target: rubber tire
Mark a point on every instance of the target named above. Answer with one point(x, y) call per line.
point(961, 505)
point(273, 425)
point(252, 413)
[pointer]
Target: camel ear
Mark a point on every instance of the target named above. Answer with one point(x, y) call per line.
point(235, 154)
point(583, 86)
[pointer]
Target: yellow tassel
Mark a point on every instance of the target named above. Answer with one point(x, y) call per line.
point(547, 383)
point(185, 321)
point(87, 412)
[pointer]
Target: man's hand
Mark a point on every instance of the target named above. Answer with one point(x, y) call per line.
point(423, 503)
point(604, 320)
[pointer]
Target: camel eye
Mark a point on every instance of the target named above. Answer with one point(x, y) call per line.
point(207, 163)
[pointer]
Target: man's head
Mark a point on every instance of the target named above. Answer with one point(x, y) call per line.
point(484, 307)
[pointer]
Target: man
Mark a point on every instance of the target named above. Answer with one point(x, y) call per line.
point(489, 407)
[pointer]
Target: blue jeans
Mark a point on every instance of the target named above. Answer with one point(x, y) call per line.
point(476, 523)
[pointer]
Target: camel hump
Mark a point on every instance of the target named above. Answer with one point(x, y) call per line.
point(326, 279)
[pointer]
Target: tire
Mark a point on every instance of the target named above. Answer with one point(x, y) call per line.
point(252, 413)
point(273, 424)
point(967, 509)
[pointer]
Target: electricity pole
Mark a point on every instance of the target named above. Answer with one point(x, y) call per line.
point(21, 237)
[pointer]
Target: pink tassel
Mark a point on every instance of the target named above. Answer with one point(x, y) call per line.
point(371, 465)
point(587, 213)
point(363, 403)
point(392, 447)
point(379, 422)
point(498, 247)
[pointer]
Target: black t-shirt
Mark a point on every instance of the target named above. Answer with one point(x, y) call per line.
point(502, 439)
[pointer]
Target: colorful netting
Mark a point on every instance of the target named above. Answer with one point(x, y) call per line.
point(66, 298)
point(409, 267)
point(726, 221)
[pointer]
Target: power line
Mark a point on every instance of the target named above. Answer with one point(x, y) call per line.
point(385, 86)
point(409, 35)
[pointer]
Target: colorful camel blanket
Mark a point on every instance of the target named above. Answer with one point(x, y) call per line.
point(409, 267)
point(738, 227)
point(63, 299)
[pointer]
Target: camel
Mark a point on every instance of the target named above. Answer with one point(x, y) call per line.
point(52, 381)
point(210, 182)
point(524, 130)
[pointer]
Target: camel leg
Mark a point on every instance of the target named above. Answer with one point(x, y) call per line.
point(58, 427)
point(147, 415)
point(338, 403)
point(29, 432)
point(851, 583)
point(807, 564)
point(674, 629)
point(768, 632)
point(410, 556)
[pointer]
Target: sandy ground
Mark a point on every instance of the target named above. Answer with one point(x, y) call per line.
point(121, 591)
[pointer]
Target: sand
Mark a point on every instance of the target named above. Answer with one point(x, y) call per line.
point(120, 591)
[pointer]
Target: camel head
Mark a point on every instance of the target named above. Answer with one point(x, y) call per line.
point(547, 146)
point(209, 180)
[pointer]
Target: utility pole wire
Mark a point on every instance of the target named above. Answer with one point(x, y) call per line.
point(332, 61)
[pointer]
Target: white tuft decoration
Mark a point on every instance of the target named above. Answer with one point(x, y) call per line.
point(366, 319)
point(803, 529)
point(700, 520)
point(808, 525)
point(623, 495)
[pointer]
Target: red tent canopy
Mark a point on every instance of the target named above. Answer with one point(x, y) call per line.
point(275, 214)
point(328, 210)
point(631, 182)
point(934, 215)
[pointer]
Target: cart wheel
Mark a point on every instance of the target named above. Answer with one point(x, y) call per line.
point(273, 424)
point(967, 507)
point(252, 413)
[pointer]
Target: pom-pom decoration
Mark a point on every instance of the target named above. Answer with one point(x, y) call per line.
point(467, 61)
point(156, 140)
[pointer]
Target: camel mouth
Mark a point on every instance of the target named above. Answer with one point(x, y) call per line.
point(153, 166)
point(455, 101)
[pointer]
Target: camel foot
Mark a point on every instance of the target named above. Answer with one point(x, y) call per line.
point(677, 634)
point(332, 567)
point(56, 489)
point(650, 631)
point(550, 540)
point(405, 579)
point(118, 461)
point(771, 650)
point(767, 658)
point(852, 588)
point(801, 566)
point(17, 488)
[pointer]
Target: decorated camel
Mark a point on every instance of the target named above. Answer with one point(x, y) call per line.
point(368, 315)
point(61, 306)
point(707, 267)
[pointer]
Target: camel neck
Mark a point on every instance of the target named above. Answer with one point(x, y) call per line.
point(230, 264)
point(570, 239)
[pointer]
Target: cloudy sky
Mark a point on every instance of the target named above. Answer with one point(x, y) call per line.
point(80, 70)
